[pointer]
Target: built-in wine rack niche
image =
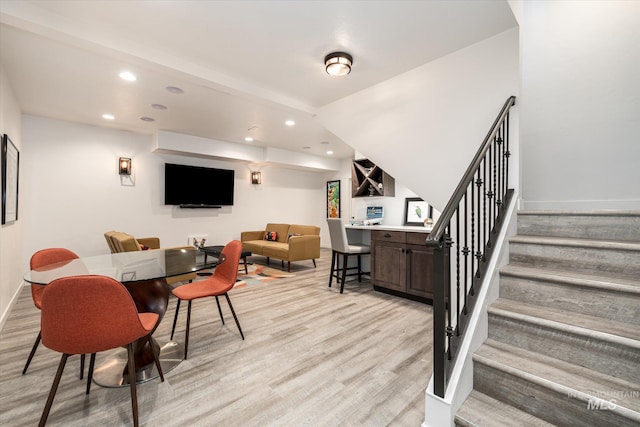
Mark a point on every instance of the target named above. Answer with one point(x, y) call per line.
point(369, 180)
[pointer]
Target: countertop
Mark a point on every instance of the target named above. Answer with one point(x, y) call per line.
point(382, 227)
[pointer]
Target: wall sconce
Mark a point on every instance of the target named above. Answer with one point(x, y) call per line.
point(124, 166)
point(256, 178)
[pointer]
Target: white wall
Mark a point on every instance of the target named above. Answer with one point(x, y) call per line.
point(73, 193)
point(423, 127)
point(580, 105)
point(11, 235)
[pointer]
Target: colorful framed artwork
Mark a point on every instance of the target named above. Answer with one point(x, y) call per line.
point(333, 199)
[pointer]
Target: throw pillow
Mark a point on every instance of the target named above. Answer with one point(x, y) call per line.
point(292, 234)
point(271, 236)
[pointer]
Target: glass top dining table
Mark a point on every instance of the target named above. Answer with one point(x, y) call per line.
point(144, 274)
point(126, 266)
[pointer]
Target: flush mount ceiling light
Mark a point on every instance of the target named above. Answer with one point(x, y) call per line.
point(338, 64)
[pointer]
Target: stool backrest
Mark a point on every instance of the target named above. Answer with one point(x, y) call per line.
point(338, 235)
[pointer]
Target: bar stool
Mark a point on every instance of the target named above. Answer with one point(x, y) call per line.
point(340, 246)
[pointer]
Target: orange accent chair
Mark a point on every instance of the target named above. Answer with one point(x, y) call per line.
point(222, 280)
point(39, 261)
point(89, 314)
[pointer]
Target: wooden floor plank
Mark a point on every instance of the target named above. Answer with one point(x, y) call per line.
point(311, 357)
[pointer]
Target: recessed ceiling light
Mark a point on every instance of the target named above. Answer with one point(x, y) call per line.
point(290, 123)
point(147, 119)
point(128, 76)
point(174, 90)
point(324, 142)
point(108, 116)
point(248, 139)
point(159, 106)
point(306, 147)
point(329, 152)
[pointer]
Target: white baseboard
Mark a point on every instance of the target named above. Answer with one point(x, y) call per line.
point(13, 301)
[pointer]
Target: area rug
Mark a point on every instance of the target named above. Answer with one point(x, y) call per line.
point(260, 274)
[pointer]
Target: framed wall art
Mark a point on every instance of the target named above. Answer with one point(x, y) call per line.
point(416, 211)
point(333, 199)
point(10, 164)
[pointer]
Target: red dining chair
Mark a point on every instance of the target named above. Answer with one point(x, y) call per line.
point(39, 261)
point(222, 280)
point(89, 314)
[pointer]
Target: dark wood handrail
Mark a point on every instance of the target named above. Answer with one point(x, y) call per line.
point(435, 237)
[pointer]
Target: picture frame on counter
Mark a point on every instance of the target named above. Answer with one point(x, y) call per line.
point(416, 211)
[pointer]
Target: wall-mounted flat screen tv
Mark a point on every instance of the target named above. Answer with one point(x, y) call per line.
point(197, 187)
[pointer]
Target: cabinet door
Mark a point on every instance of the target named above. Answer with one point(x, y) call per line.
point(420, 271)
point(389, 266)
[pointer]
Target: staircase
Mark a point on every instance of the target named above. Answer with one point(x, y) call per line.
point(564, 335)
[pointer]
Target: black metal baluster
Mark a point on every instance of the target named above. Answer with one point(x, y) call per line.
point(479, 241)
point(484, 210)
point(465, 250)
point(491, 187)
point(458, 270)
point(473, 232)
point(503, 188)
point(507, 153)
point(447, 245)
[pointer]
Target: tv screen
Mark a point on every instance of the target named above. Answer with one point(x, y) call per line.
point(195, 186)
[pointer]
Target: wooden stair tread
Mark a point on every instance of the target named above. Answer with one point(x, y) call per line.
point(576, 242)
point(481, 410)
point(572, 322)
point(562, 377)
point(616, 284)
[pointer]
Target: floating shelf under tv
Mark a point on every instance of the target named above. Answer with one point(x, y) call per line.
point(192, 206)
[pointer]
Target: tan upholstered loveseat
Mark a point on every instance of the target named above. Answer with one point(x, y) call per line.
point(123, 242)
point(293, 242)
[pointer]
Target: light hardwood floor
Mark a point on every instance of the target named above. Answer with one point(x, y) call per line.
point(311, 357)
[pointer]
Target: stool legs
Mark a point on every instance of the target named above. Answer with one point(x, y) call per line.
point(340, 273)
point(345, 261)
point(333, 264)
